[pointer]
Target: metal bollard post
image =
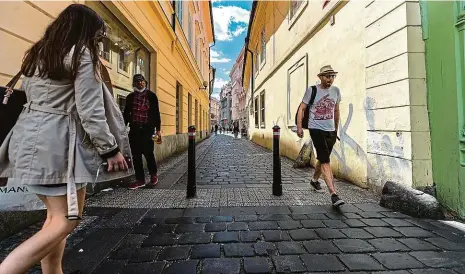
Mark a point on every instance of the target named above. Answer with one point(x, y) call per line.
point(277, 184)
point(191, 179)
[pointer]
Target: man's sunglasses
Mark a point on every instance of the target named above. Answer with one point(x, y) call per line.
point(330, 76)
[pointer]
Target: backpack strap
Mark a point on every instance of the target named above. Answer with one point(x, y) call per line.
point(312, 98)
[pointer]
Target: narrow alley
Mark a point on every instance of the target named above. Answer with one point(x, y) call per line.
point(235, 225)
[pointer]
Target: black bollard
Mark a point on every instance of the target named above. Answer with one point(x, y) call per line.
point(191, 180)
point(277, 184)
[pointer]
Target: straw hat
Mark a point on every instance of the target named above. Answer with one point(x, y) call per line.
point(327, 70)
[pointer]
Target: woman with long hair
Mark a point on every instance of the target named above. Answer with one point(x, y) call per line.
point(69, 132)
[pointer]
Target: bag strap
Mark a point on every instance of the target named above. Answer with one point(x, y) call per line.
point(106, 78)
point(312, 98)
point(14, 80)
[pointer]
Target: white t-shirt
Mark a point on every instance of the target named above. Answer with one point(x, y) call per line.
point(322, 110)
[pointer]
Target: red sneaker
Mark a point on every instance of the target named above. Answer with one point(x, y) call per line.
point(153, 180)
point(137, 184)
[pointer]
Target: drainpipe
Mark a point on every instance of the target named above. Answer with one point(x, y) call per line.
point(252, 87)
point(173, 4)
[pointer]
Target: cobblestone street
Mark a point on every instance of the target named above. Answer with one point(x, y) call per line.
point(235, 225)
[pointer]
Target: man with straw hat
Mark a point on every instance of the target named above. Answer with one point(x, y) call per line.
point(323, 123)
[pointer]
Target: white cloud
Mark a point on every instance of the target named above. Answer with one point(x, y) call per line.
point(227, 72)
point(219, 83)
point(215, 57)
point(224, 16)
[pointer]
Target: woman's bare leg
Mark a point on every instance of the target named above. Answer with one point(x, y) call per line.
point(46, 241)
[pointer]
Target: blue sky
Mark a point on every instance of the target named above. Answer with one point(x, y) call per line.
point(231, 19)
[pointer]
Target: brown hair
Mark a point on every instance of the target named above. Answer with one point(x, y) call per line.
point(78, 26)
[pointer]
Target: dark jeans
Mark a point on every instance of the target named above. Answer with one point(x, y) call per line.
point(140, 139)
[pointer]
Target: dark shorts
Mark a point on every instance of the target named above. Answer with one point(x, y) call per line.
point(323, 141)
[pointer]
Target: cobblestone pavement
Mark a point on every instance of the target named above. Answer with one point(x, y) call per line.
point(239, 227)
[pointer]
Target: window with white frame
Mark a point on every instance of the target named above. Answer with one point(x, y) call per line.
point(178, 7)
point(295, 5)
point(189, 30)
point(256, 112)
point(263, 46)
point(262, 109)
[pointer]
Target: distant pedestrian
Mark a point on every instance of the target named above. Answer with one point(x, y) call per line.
point(216, 129)
point(70, 128)
point(143, 115)
point(236, 129)
point(323, 124)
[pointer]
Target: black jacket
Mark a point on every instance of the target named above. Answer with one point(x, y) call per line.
point(154, 111)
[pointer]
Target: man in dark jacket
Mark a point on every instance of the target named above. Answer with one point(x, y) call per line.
point(143, 115)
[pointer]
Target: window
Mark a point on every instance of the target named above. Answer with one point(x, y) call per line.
point(262, 109)
point(256, 61)
point(178, 108)
point(263, 47)
point(121, 102)
point(105, 49)
point(179, 11)
point(196, 121)
point(122, 63)
point(256, 111)
point(189, 110)
point(189, 30)
point(196, 50)
point(295, 5)
point(141, 66)
point(200, 119)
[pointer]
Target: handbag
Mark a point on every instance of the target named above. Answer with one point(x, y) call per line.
point(11, 106)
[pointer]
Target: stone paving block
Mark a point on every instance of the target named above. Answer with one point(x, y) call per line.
point(185, 267)
point(446, 244)
point(371, 207)
point(276, 235)
point(249, 236)
point(238, 250)
point(206, 251)
point(290, 248)
point(222, 219)
point(303, 234)
point(336, 215)
point(460, 270)
point(394, 214)
point(287, 264)
point(266, 225)
point(354, 223)
point(357, 262)
point(107, 266)
point(145, 255)
point(289, 224)
point(365, 214)
point(183, 228)
point(122, 253)
point(161, 228)
point(418, 244)
point(313, 223)
point(383, 232)
point(432, 271)
point(299, 217)
point(246, 218)
point(142, 229)
point(152, 221)
point(194, 238)
point(215, 227)
point(237, 226)
point(335, 224)
point(256, 265)
point(353, 246)
point(224, 265)
point(264, 249)
point(350, 215)
point(274, 217)
point(180, 220)
point(226, 237)
point(308, 209)
point(388, 245)
point(322, 263)
point(320, 247)
point(159, 240)
point(173, 253)
point(165, 213)
point(396, 261)
point(329, 233)
point(374, 222)
point(127, 217)
point(272, 210)
point(414, 232)
point(144, 268)
point(203, 219)
point(397, 222)
point(317, 216)
point(237, 211)
point(436, 259)
point(201, 212)
point(356, 233)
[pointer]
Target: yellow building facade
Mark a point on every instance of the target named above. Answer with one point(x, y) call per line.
point(377, 48)
point(166, 41)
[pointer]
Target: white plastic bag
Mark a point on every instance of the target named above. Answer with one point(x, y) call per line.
point(18, 198)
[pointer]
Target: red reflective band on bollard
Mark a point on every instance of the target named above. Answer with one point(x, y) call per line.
point(191, 133)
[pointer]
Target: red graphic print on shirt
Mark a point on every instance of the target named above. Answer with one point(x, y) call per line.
point(324, 109)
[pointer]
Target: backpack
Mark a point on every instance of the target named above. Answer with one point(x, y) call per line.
point(306, 115)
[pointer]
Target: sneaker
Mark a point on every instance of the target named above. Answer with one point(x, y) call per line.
point(153, 180)
point(316, 185)
point(137, 184)
point(336, 200)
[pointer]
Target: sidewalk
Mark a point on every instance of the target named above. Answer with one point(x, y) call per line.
point(235, 225)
